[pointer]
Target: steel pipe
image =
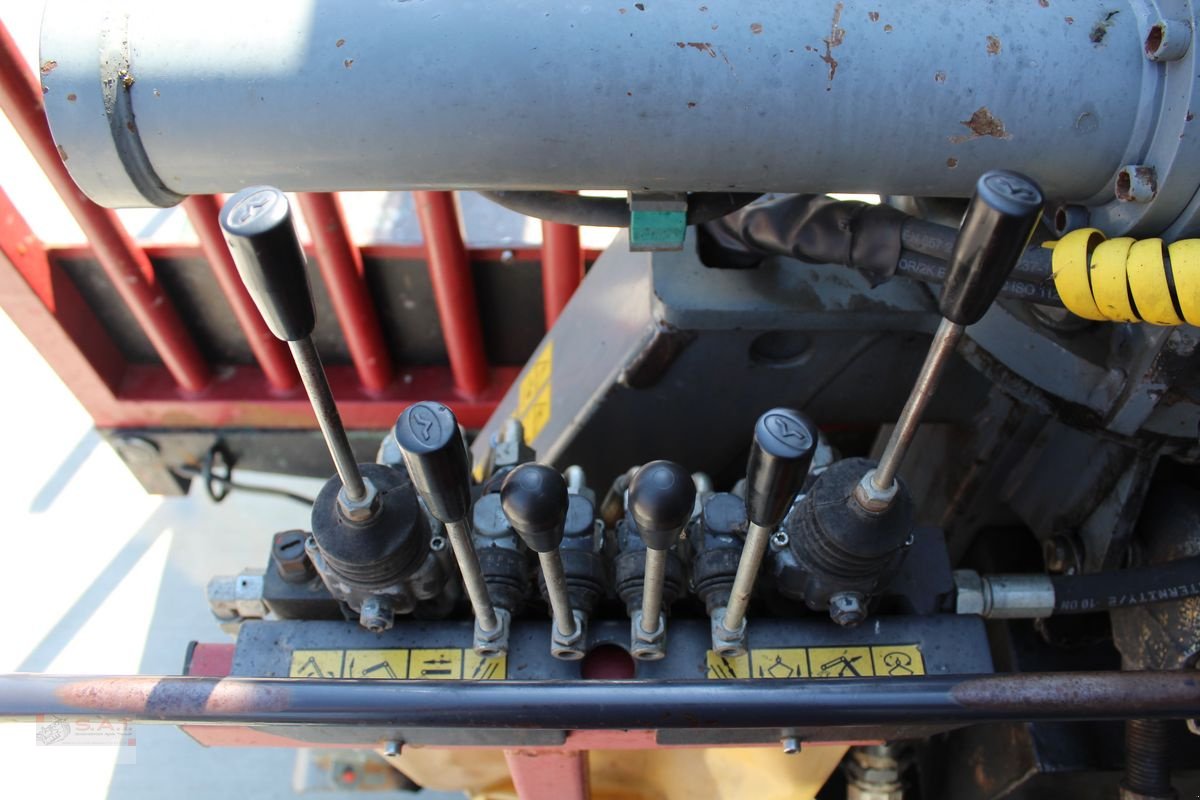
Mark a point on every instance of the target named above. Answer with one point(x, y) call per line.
point(594, 705)
point(453, 290)
point(125, 264)
point(340, 263)
point(752, 96)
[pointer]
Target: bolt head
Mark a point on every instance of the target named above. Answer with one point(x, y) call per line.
point(848, 608)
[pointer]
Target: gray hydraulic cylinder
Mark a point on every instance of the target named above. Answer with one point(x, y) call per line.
point(150, 101)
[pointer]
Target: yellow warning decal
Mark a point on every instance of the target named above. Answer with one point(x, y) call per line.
point(418, 664)
point(533, 393)
point(874, 661)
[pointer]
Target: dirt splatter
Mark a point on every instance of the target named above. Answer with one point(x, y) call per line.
point(48, 67)
point(837, 35)
point(982, 123)
point(640, 6)
point(951, 162)
point(1069, 20)
point(1100, 29)
point(887, 29)
point(756, 27)
point(703, 9)
point(622, 10)
point(703, 47)
point(339, 43)
point(715, 26)
point(1044, 3)
point(157, 93)
point(939, 77)
point(993, 46)
point(873, 16)
point(71, 98)
point(62, 152)
point(691, 104)
point(347, 63)
point(1190, 116)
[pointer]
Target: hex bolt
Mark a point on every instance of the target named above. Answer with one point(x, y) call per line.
point(791, 745)
point(1136, 183)
point(847, 608)
point(1168, 40)
point(376, 614)
point(1061, 555)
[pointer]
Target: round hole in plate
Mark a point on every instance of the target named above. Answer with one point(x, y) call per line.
point(608, 662)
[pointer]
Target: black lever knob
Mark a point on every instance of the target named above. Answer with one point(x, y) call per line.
point(994, 233)
point(262, 239)
point(661, 499)
point(436, 457)
point(784, 444)
point(534, 498)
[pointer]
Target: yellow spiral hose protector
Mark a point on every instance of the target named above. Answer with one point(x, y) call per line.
point(1127, 280)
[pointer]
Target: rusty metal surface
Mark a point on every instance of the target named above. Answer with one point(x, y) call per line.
point(575, 705)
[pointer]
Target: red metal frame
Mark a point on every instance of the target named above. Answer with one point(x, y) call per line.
point(562, 267)
point(453, 289)
point(203, 212)
point(341, 267)
point(185, 391)
point(126, 265)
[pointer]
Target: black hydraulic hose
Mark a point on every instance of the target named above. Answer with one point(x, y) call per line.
point(1101, 591)
point(877, 240)
point(931, 239)
point(926, 268)
point(610, 212)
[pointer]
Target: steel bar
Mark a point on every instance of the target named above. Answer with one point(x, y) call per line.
point(652, 588)
point(459, 534)
point(123, 261)
point(341, 268)
point(562, 267)
point(453, 290)
point(271, 354)
point(308, 361)
point(595, 705)
point(940, 350)
point(556, 590)
point(757, 538)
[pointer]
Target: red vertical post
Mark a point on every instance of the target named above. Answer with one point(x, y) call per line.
point(549, 774)
point(122, 260)
point(341, 267)
point(203, 211)
point(562, 267)
point(453, 290)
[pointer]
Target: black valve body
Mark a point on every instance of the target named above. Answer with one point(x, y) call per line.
point(388, 555)
point(630, 568)
point(835, 546)
point(717, 538)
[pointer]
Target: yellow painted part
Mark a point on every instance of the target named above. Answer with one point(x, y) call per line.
point(418, 664)
point(1148, 283)
point(1185, 267)
point(1110, 288)
point(534, 394)
point(1071, 275)
point(720, 773)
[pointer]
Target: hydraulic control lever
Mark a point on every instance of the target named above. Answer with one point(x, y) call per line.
point(370, 542)
point(998, 224)
point(262, 239)
point(662, 497)
point(535, 500)
point(780, 455)
point(436, 457)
